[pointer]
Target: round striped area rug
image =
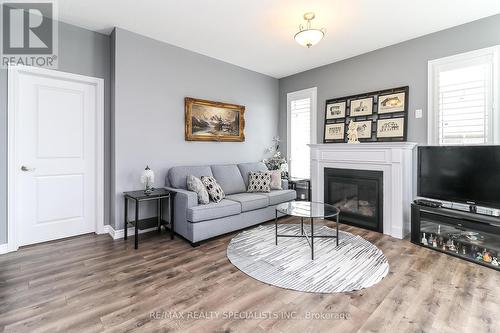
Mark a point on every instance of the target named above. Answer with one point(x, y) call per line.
point(355, 264)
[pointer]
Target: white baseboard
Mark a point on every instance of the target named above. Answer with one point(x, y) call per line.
point(115, 234)
point(120, 233)
point(4, 248)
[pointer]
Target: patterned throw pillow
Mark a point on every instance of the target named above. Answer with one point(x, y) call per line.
point(194, 184)
point(275, 180)
point(214, 190)
point(259, 182)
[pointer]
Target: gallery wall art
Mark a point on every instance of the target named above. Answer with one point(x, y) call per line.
point(379, 116)
point(335, 110)
point(213, 121)
point(335, 132)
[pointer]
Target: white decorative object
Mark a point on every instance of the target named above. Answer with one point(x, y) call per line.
point(284, 167)
point(394, 159)
point(352, 133)
point(148, 179)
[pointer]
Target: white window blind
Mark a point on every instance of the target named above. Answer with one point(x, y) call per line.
point(462, 108)
point(465, 105)
point(300, 137)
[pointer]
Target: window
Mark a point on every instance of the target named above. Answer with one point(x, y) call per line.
point(462, 99)
point(301, 123)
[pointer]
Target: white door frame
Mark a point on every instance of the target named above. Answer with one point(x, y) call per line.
point(304, 93)
point(13, 77)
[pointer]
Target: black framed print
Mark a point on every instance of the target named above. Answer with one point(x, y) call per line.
point(364, 129)
point(391, 128)
point(335, 110)
point(392, 103)
point(379, 115)
point(334, 132)
point(361, 107)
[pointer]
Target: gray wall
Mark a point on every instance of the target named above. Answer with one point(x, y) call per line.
point(397, 65)
point(82, 52)
point(151, 79)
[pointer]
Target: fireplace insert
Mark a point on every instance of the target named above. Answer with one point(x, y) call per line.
point(358, 194)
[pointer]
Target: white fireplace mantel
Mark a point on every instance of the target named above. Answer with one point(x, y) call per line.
point(394, 159)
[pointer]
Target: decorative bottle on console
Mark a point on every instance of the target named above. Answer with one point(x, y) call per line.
point(494, 262)
point(424, 240)
point(486, 256)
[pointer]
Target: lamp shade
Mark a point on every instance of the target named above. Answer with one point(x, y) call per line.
point(309, 37)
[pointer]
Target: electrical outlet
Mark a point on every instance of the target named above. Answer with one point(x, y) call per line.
point(418, 113)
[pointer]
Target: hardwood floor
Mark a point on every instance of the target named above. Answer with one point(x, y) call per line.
point(94, 284)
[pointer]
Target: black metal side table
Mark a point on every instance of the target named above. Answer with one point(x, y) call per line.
point(139, 196)
point(292, 184)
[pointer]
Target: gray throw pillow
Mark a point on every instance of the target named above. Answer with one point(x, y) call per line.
point(214, 190)
point(259, 182)
point(194, 184)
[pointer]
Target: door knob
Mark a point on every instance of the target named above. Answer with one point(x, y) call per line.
point(26, 169)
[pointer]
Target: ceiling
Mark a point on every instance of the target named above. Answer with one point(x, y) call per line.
point(258, 34)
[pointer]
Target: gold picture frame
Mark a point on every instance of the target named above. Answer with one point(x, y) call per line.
point(213, 121)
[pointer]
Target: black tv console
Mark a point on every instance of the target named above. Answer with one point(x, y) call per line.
point(469, 236)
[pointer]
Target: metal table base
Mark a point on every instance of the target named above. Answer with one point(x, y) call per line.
point(309, 238)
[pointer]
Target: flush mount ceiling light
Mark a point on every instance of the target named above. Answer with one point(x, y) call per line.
point(309, 36)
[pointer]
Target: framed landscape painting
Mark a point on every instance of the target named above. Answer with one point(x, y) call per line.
point(213, 121)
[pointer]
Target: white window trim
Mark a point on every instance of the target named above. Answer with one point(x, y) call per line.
point(432, 114)
point(300, 94)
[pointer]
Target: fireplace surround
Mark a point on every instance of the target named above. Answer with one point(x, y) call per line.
point(396, 161)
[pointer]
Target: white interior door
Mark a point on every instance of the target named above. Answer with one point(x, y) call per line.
point(56, 155)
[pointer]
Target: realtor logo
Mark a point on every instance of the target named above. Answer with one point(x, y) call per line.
point(29, 34)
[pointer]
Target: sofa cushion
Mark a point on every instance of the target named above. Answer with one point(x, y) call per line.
point(276, 183)
point(229, 178)
point(250, 201)
point(195, 184)
point(177, 176)
point(246, 168)
point(213, 210)
point(214, 190)
point(259, 182)
point(279, 196)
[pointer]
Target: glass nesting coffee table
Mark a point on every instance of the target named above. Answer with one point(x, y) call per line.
point(308, 210)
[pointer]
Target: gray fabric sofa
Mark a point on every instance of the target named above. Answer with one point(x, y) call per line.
point(237, 210)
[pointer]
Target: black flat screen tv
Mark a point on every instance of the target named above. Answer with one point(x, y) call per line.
point(464, 174)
